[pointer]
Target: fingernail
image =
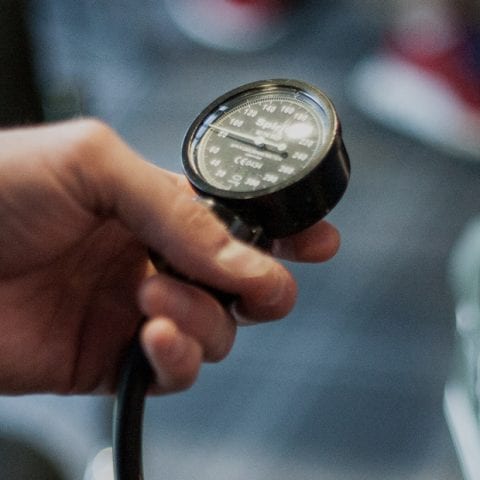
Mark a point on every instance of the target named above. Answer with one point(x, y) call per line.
point(239, 318)
point(241, 260)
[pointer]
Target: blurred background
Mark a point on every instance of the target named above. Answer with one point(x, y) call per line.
point(351, 384)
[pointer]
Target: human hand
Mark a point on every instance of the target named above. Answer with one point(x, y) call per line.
point(78, 211)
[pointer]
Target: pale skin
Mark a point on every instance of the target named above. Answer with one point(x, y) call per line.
point(78, 210)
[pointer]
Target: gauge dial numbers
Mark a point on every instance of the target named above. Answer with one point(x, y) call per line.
point(269, 142)
point(260, 143)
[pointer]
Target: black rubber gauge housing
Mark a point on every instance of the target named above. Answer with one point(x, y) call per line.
point(272, 153)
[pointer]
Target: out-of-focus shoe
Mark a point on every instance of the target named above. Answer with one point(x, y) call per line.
point(426, 83)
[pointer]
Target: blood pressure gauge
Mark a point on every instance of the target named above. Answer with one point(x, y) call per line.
point(269, 159)
point(270, 151)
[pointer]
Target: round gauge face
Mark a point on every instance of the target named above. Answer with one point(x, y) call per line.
point(261, 139)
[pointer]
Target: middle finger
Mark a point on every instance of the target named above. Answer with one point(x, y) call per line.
point(196, 312)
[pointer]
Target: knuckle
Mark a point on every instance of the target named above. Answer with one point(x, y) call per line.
point(86, 150)
point(88, 139)
point(153, 296)
point(86, 162)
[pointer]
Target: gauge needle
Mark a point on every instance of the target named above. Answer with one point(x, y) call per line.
point(256, 141)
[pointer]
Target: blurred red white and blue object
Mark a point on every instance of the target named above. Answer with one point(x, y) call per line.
point(425, 80)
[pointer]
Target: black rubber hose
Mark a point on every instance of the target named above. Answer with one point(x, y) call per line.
point(136, 377)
